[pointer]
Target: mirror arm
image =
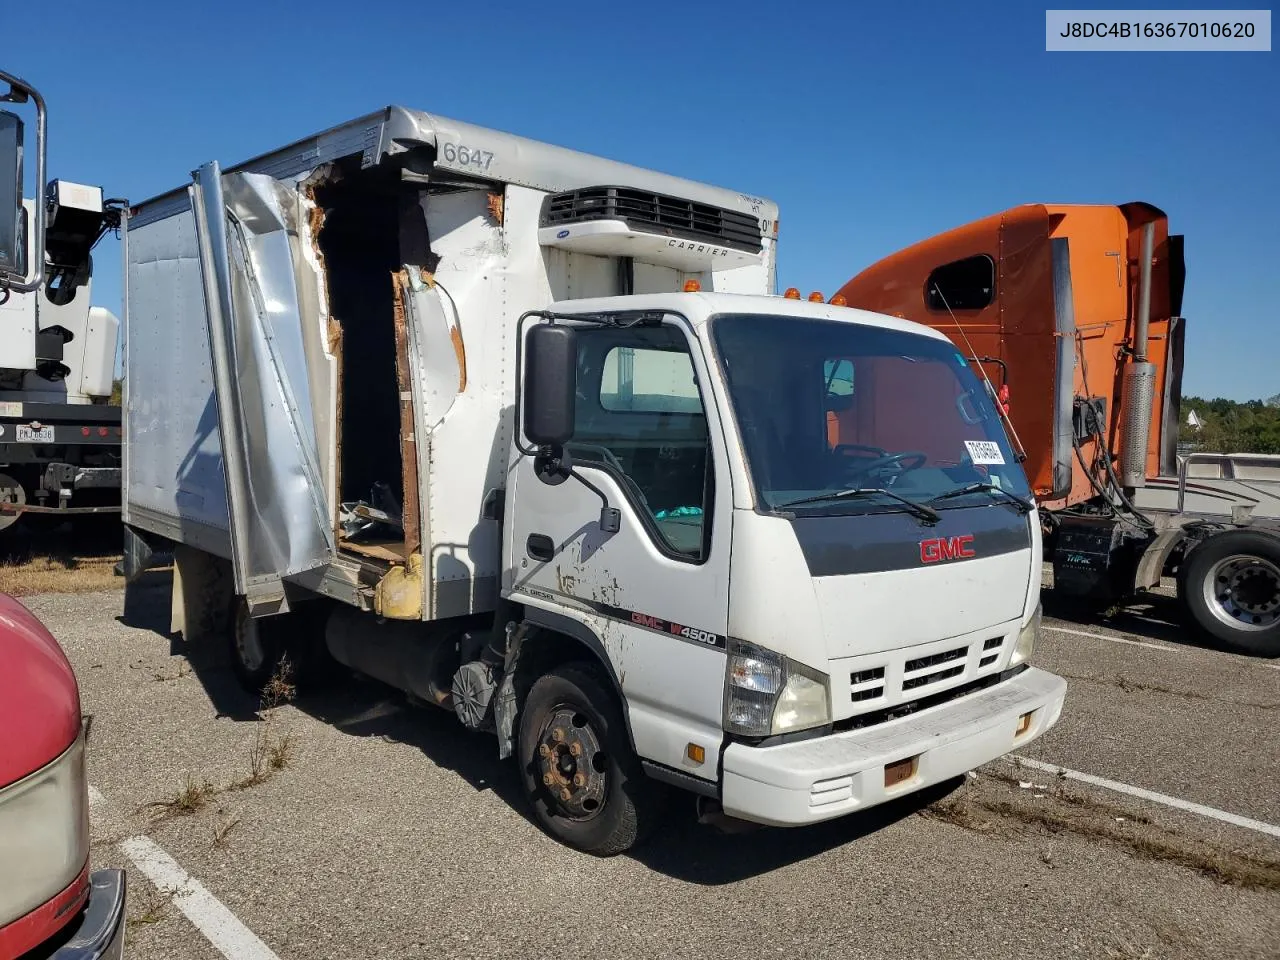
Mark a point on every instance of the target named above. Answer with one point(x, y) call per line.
point(36, 267)
point(562, 466)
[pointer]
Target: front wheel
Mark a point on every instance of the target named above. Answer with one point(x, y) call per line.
point(577, 768)
point(1230, 587)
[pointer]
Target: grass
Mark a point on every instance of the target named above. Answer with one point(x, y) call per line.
point(73, 558)
point(1060, 813)
point(153, 908)
point(192, 797)
point(221, 828)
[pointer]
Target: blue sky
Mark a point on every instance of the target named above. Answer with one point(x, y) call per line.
point(872, 125)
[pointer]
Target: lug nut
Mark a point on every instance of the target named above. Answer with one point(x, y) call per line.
point(544, 751)
point(557, 735)
point(575, 749)
point(579, 780)
point(566, 793)
point(548, 779)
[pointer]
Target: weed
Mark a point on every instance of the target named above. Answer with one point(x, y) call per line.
point(280, 753)
point(221, 828)
point(192, 797)
point(279, 689)
point(154, 907)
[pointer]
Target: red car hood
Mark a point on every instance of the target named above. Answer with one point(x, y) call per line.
point(39, 699)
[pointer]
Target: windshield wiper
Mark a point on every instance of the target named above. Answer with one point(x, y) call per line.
point(1022, 505)
point(913, 506)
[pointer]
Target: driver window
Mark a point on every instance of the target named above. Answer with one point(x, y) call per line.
point(644, 422)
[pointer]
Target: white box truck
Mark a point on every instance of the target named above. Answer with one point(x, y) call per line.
point(524, 433)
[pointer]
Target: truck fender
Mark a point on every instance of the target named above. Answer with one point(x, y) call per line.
point(1151, 566)
point(575, 635)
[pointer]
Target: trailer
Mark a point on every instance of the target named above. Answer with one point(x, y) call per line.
point(60, 434)
point(1075, 310)
point(525, 433)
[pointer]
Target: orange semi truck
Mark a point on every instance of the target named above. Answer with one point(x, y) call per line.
point(1073, 314)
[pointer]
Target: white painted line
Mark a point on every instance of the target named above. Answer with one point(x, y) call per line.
point(1211, 812)
point(96, 799)
point(220, 926)
point(1103, 636)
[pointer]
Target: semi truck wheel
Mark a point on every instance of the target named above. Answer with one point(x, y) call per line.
point(1230, 587)
point(12, 492)
point(584, 782)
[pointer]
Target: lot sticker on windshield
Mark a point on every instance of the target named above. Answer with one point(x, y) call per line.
point(984, 451)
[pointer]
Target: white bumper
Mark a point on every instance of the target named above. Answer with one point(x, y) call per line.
point(827, 777)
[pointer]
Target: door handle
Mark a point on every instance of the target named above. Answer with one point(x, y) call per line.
point(540, 546)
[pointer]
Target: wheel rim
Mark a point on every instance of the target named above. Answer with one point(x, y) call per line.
point(249, 643)
point(572, 764)
point(11, 491)
point(1243, 592)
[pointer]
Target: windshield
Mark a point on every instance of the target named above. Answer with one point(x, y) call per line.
point(825, 407)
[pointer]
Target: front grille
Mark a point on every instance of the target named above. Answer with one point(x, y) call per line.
point(921, 663)
point(866, 684)
point(654, 213)
point(915, 682)
point(993, 643)
point(988, 660)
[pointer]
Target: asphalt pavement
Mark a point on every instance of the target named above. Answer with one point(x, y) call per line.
point(356, 825)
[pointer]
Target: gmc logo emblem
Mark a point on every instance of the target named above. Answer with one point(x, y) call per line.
point(946, 548)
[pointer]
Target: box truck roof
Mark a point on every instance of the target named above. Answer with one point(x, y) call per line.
point(471, 151)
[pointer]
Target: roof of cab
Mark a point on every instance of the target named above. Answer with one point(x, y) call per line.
point(700, 307)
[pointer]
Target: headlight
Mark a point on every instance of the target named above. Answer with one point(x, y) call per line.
point(1027, 638)
point(44, 827)
point(767, 693)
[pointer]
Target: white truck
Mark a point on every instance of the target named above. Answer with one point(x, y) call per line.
point(524, 433)
point(60, 434)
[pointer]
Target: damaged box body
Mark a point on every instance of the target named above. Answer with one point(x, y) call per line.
point(368, 282)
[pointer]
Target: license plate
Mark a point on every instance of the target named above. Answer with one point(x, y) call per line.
point(895, 773)
point(34, 435)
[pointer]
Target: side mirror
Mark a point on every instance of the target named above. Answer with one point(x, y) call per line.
point(12, 239)
point(550, 385)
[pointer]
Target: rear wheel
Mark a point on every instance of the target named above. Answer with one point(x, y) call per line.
point(576, 764)
point(287, 647)
point(1230, 586)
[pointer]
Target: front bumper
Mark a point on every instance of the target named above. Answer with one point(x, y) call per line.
point(828, 777)
point(98, 934)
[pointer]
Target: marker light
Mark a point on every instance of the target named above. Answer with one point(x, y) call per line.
point(816, 297)
point(839, 301)
point(692, 286)
point(792, 293)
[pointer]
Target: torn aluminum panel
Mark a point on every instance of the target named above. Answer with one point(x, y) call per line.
point(250, 261)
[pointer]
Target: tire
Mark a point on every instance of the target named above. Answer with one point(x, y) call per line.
point(261, 646)
point(1229, 586)
point(615, 807)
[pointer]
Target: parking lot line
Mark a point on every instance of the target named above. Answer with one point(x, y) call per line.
point(221, 927)
point(1143, 794)
point(1102, 636)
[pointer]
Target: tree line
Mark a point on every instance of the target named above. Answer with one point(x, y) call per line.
point(1230, 427)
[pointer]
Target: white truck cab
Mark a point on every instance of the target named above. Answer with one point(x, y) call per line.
point(524, 433)
point(798, 627)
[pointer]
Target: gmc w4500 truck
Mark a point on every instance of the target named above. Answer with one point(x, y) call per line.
point(524, 433)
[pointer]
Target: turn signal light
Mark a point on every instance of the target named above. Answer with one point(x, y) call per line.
point(792, 293)
point(839, 301)
point(816, 297)
point(692, 286)
point(695, 753)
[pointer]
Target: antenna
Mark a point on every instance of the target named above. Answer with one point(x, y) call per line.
point(1022, 453)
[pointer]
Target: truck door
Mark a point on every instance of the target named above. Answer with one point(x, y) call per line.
point(652, 597)
point(260, 295)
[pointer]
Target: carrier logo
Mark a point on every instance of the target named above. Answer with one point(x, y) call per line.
point(946, 548)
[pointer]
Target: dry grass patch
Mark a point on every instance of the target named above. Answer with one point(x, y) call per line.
point(193, 796)
point(59, 574)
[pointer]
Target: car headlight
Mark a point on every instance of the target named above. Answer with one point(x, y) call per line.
point(1027, 638)
point(767, 693)
point(44, 828)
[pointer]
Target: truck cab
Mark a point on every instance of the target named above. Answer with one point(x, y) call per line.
point(802, 618)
